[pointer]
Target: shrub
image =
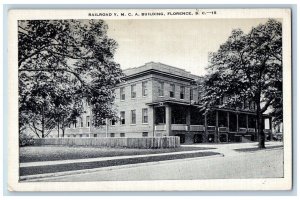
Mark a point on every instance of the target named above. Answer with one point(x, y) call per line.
point(25, 139)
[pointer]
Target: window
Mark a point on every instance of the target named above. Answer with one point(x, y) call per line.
point(225, 99)
point(145, 115)
point(122, 134)
point(80, 135)
point(122, 117)
point(133, 91)
point(81, 122)
point(95, 135)
point(144, 88)
point(122, 93)
point(87, 102)
point(246, 104)
point(161, 89)
point(182, 92)
point(145, 134)
point(192, 94)
point(133, 117)
point(172, 91)
point(87, 121)
point(74, 124)
point(160, 115)
point(113, 122)
point(112, 134)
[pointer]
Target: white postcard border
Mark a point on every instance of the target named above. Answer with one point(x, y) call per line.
point(168, 185)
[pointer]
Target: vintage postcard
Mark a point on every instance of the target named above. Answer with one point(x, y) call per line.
point(150, 100)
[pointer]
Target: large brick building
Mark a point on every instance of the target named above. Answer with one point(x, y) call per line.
point(161, 100)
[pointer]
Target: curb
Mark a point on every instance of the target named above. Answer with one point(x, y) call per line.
point(40, 177)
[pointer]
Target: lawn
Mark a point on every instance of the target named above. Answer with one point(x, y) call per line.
point(99, 164)
point(51, 153)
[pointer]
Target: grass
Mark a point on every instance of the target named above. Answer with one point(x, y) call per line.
point(98, 164)
point(52, 153)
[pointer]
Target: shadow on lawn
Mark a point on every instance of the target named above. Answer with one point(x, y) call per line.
point(109, 163)
point(53, 153)
point(257, 149)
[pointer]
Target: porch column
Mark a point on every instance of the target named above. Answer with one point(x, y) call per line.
point(237, 122)
point(153, 121)
point(256, 128)
point(168, 119)
point(188, 116)
point(270, 126)
point(247, 123)
point(188, 119)
point(217, 126)
point(228, 120)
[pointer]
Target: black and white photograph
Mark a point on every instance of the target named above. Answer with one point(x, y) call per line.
point(123, 98)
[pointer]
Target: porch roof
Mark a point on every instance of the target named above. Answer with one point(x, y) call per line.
point(164, 102)
point(176, 102)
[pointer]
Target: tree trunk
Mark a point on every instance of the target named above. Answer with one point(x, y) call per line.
point(261, 133)
point(43, 123)
point(260, 124)
point(58, 127)
point(63, 126)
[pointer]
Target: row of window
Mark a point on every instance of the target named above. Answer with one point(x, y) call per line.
point(160, 88)
point(87, 122)
point(122, 118)
point(133, 117)
point(133, 90)
point(245, 104)
point(144, 134)
point(172, 91)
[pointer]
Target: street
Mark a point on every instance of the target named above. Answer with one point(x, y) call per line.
point(234, 164)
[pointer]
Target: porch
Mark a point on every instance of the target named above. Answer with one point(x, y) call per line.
point(217, 126)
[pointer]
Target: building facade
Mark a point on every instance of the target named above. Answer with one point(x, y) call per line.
point(160, 100)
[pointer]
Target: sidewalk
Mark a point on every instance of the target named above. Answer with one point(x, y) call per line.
point(233, 148)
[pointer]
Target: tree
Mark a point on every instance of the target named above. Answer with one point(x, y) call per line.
point(248, 67)
point(60, 63)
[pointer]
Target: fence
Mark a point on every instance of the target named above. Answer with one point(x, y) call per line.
point(142, 143)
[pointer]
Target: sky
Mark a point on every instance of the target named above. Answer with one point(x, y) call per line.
point(183, 43)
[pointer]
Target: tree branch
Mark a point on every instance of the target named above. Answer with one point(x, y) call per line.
point(268, 103)
point(52, 70)
point(34, 130)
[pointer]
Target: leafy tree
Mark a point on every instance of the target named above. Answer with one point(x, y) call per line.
point(248, 67)
point(60, 63)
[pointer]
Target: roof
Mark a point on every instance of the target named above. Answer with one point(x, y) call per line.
point(157, 67)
